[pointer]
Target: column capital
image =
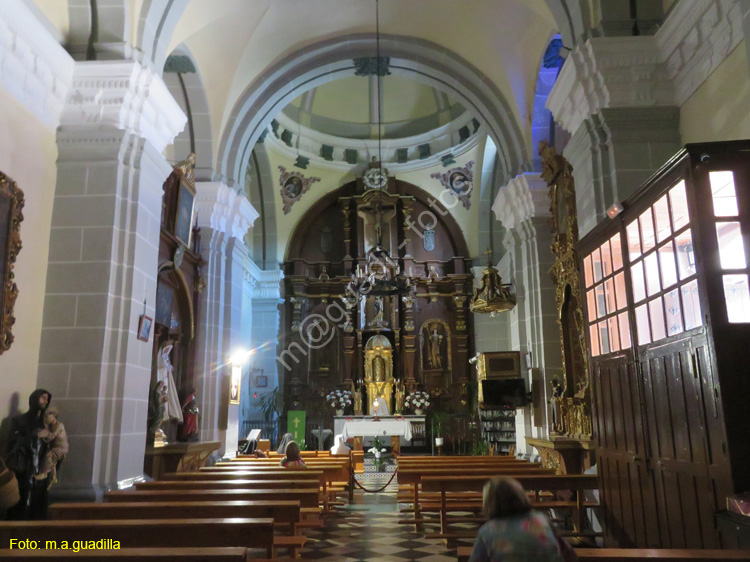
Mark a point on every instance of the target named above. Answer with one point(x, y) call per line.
point(36, 69)
point(222, 209)
point(122, 95)
point(525, 196)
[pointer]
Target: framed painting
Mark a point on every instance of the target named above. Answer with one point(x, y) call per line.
point(164, 296)
point(184, 219)
point(144, 327)
point(11, 204)
point(234, 384)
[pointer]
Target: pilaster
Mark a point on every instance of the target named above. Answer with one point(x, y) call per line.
point(224, 218)
point(102, 266)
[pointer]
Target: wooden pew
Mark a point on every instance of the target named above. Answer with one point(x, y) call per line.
point(576, 483)
point(643, 554)
point(412, 477)
point(307, 497)
point(227, 484)
point(217, 554)
point(283, 513)
point(168, 533)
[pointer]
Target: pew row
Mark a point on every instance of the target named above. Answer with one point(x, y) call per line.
point(170, 533)
point(577, 484)
point(217, 554)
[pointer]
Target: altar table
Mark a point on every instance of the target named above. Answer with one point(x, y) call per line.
point(358, 427)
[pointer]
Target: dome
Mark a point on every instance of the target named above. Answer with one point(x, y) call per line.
point(377, 342)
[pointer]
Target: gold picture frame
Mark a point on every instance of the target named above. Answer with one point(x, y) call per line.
point(11, 205)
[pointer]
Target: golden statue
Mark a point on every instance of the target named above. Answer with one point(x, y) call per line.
point(378, 371)
point(399, 397)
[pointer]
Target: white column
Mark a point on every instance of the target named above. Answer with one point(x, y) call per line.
point(266, 326)
point(103, 256)
point(522, 207)
point(224, 218)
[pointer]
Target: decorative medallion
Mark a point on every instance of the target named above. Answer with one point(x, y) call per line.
point(293, 186)
point(459, 181)
point(428, 239)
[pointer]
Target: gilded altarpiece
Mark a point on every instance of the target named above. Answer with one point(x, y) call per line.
point(333, 241)
point(571, 397)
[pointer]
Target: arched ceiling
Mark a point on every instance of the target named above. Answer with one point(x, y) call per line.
point(235, 41)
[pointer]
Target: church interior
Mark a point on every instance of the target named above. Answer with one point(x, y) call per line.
point(434, 243)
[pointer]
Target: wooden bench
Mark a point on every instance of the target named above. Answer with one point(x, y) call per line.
point(645, 554)
point(307, 497)
point(168, 533)
point(576, 483)
point(225, 554)
point(412, 478)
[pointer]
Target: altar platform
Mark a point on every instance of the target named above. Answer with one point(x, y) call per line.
point(401, 429)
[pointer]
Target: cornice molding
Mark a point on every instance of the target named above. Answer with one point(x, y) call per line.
point(695, 39)
point(221, 209)
point(525, 197)
point(443, 140)
point(34, 67)
point(123, 95)
point(660, 70)
point(267, 282)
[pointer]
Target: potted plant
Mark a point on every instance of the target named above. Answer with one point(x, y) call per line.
point(439, 418)
point(338, 400)
point(417, 401)
point(271, 404)
point(377, 451)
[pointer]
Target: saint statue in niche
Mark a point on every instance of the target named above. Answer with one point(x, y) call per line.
point(434, 359)
point(377, 303)
point(378, 367)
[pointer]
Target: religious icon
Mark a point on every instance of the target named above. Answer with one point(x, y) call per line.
point(293, 186)
point(434, 359)
point(428, 239)
point(144, 327)
point(184, 222)
point(459, 181)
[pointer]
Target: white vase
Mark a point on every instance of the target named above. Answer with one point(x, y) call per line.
point(418, 411)
point(438, 441)
point(339, 413)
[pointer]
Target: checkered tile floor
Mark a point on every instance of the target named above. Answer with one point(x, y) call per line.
point(368, 530)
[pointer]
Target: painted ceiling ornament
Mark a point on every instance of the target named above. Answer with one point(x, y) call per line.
point(375, 177)
point(459, 181)
point(293, 186)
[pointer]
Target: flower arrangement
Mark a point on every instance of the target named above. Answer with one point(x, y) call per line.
point(377, 451)
point(417, 400)
point(339, 399)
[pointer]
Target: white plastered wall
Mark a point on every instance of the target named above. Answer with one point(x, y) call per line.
point(28, 152)
point(720, 108)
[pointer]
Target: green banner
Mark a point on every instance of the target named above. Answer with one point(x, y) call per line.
point(295, 424)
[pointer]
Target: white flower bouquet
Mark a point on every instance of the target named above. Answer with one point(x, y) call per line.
point(417, 400)
point(339, 399)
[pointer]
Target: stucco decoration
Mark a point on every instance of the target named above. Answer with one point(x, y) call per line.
point(459, 181)
point(293, 186)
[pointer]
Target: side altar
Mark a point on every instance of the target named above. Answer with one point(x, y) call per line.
point(398, 427)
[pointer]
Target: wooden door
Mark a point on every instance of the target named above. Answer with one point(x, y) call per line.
point(686, 458)
point(626, 482)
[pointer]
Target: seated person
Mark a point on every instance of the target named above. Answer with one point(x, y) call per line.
point(292, 457)
point(339, 448)
point(260, 454)
point(514, 532)
point(284, 442)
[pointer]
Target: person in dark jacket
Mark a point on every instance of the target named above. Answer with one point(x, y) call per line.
point(25, 452)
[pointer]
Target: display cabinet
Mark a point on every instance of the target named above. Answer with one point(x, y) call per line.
point(498, 428)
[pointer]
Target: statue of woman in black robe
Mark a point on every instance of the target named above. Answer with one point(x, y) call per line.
point(25, 452)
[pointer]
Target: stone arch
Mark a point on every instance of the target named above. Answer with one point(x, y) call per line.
point(107, 28)
point(191, 96)
point(332, 59)
point(156, 23)
point(259, 188)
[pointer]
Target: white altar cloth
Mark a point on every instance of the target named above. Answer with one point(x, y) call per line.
point(370, 428)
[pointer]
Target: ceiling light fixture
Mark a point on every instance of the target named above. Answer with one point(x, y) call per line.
point(492, 296)
point(381, 275)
